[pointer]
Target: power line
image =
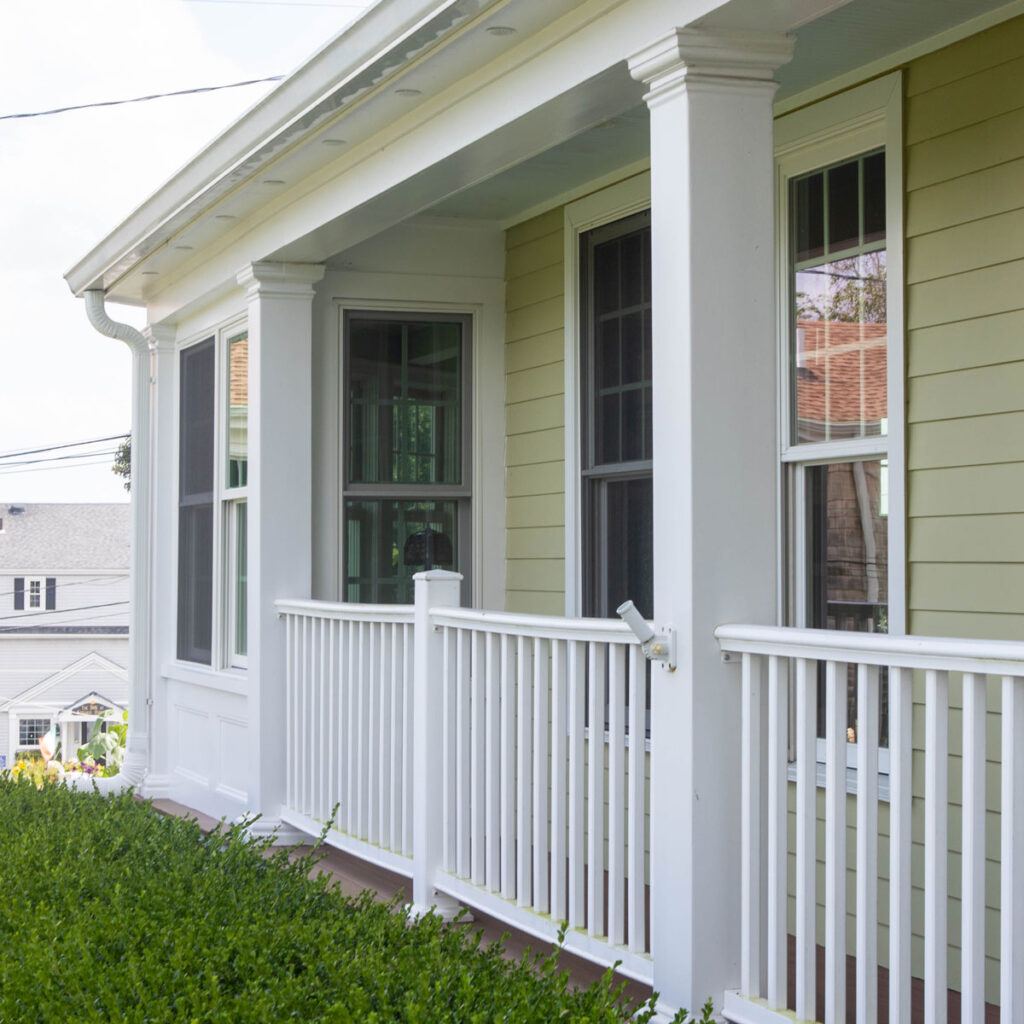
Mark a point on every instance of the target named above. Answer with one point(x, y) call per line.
point(14, 471)
point(99, 581)
point(64, 611)
point(141, 99)
point(57, 447)
point(58, 458)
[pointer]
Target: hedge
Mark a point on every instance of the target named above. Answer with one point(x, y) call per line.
point(113, 912)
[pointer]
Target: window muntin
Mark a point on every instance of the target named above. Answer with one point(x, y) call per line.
point(212, 494)
point(406, 493)
point(35, 593)
point(30, 729)
point(615, 359)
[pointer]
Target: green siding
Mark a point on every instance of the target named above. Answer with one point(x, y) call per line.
point(964, 160)
point(965, 335)
point(535, 416)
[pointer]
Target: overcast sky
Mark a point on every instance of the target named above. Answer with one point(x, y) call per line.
point(66, 180)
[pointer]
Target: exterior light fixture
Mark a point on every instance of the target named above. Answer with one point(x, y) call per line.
point(273, 181)
point(333, 142)
point(656, 647)
point(501, 30)
point(408, 92)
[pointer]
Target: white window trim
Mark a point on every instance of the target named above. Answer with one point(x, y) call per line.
point(853, 122)
point(622, 199)
point(222, 657)
point(29, 580)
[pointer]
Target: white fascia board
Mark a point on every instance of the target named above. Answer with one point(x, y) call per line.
point(377, 45)
point(562, 80)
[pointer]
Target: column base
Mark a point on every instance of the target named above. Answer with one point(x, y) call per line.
point(445, 907)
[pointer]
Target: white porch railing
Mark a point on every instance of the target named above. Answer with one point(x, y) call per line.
point(349, 725)
point(780, 672)
point(540, 818)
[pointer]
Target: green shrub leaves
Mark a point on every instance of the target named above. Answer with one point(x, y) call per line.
point(111, 912)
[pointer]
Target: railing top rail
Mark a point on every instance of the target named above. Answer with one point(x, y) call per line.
point(992, 657)
point(346, 610)
point(551, 627)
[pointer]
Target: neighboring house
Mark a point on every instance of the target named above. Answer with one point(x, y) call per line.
point(64, 626)
point(715, 305)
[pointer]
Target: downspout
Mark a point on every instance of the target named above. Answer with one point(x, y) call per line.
point(137, 753)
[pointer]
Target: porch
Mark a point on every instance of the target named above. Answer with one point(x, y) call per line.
point(455, 747)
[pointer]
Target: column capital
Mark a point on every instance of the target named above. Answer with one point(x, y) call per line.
point(280, 280)
point(724, 59)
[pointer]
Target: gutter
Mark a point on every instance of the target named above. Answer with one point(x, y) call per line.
point(137, 753)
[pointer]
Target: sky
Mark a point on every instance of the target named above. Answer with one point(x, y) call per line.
point(67, 180)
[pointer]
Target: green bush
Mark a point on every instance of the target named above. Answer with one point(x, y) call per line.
point(111, 912)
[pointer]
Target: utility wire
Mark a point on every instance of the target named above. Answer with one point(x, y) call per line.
point(57, 458)
point(52, 611)
point(57, 447)
point(141, 99)
point(98, 581)
point(14, 471)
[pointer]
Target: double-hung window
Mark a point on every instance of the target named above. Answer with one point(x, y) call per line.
point(406, 490)
point(843, 396)
point(212, 500)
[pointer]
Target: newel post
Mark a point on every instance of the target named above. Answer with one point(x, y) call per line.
point(435, 588)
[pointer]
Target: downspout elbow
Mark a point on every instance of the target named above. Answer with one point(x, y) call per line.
point(96, 310)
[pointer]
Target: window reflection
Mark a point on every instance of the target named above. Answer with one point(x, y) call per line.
point(238, 411)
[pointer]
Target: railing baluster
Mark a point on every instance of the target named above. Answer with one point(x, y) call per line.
point(289, 717)
point(1011, 886)
point(778, 729)
point(330, 765)
point(448, 749)
point(320, 764)
point(901, 696)
point(636, 867)
point(463, 767)
point(382, 796)
point(559, 786)
point(806, 787)
point(493, 753)
point(373, 779)
point(577, 781)
point(407, 729)
point(524, 771)
point(304, 701)
point(478, 757)
point(595, 791)
point(616, 794)
point(936, 843)
point(972, 886)
point(835, 844)
point(395, 771)
point(541, 772)
point(750, 827)
point(351, 727)
point(867, 844)
point(508, 768)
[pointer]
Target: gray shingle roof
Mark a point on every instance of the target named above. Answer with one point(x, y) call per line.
point(51, 537)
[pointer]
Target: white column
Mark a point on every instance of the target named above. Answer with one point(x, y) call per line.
point(435, 588)
point(715, 471)
point(280, 301)
point(164, 544)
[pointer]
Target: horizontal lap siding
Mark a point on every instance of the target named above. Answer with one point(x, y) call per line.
point(964, 159)
point(535, 416)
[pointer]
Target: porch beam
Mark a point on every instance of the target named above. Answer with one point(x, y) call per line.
point(714, 371)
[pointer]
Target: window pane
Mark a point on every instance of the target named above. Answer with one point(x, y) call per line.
point(405, 401)
point(195, 582)
point(241, 580)
point(843, 207)
point(848, 560)
point(196, 420)
point(874, 197)
point(809, 216)
point(30, 729)
point(238, 411)
point(626, 545)
point(386, 542)
point(840, 357)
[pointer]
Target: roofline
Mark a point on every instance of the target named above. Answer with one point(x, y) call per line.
point(337, 74)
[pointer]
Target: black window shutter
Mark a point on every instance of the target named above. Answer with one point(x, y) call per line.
point(51, 593)
point(19, 593)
